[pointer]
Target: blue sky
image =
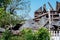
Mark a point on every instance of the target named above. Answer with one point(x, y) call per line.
point(36, 4)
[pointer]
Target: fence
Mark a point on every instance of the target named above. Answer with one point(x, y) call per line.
point(55, 35)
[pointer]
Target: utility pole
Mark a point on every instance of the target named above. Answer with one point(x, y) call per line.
point(49, 19)
point(49, 15)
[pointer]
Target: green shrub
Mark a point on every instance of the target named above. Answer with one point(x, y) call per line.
point(6, 35)
point(28, 34)
point(43, 34)
point(40, 34)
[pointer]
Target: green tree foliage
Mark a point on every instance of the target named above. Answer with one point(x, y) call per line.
point(7, 18)
point(4, 17)
point(5, 1)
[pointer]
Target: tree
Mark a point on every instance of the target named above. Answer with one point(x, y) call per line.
point(4, 3)
point(19, 5)
point(7, 17)
point(14, 5)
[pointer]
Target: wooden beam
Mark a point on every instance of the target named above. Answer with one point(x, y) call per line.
point(41, 15)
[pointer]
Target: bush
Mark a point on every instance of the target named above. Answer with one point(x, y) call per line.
point(43, 34)
point(6, 35)
point(28, 34)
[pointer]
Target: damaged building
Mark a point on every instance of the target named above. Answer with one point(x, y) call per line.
point(45, 18)
point(48, 18)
